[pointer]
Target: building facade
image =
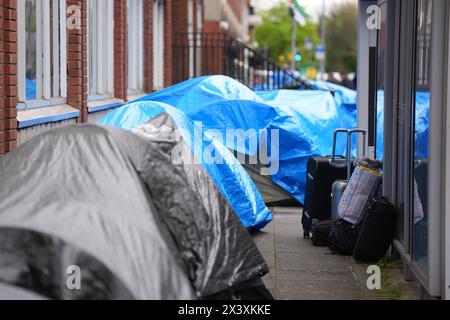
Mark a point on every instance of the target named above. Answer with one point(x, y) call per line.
point(403, 101)
point(71, 61)
point(228, 15)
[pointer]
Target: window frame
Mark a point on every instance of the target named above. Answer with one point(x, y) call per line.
point(135, 18)
point(158, 44)
point(100, 50)
point(46, 95)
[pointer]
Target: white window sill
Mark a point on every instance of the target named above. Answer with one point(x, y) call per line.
point(136, 96)
point(96, 106)
point(33, 117)
point(41, 103)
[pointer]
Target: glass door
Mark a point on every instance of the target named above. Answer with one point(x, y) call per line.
point(420, 135)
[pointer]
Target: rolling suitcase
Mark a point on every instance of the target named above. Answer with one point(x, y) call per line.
point(320, 174)
point(338, 187)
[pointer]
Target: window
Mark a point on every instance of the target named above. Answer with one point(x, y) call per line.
point(379, 94)
point(158, 44)
point(190, 30)
point(420, 135)
point(42, 69)
point(101, 49)
point(198, 44)
point(135, 46)
point(404, 109)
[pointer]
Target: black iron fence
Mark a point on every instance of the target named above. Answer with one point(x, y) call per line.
point(199, 54)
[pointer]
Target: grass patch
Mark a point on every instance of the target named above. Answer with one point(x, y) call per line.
point(388, 285)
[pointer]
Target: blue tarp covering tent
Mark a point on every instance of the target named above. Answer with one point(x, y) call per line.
point(342, 95)
point(229, 176)
point(305, 120)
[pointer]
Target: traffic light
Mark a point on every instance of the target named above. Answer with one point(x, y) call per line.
point(298, 57)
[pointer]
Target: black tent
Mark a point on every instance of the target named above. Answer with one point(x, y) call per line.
point(113, 204)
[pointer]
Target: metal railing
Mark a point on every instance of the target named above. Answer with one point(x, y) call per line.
point(199, 54)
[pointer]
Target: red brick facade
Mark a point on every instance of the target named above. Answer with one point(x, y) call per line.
point(148, 45)
point(8, 75)
point(179, 11)
point(77, 68)
point(175, 20)
point(168, 42)
point(120, 49)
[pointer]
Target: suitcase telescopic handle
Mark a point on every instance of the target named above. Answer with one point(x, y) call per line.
point(349, 133)
point(333, 154)
point(349, 148)
point(364, 135)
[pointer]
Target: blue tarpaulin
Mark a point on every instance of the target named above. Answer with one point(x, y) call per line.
point(342, 95)
point(422, 123)
point(305, 120)
point(229, 176)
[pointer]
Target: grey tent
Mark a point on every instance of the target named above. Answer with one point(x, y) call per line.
point(113, 204)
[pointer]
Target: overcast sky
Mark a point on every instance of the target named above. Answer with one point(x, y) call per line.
point(313, 7)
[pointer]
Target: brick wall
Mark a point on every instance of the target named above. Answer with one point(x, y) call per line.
point(148, 46)
point(8, 75)
point(2, 86)
point(175, 20)
point(180, 15)
point(211, 26)
point(77, 68)
point(120, 49)
point(168, 42)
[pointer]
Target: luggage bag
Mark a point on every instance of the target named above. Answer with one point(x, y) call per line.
point(377, 231)
point(321, 233)
point(343, 237)
point(321, 173)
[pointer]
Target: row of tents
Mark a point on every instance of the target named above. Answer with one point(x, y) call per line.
point(156, 202)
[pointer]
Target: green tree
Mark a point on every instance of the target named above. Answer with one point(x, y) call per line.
point(341, 38)
point(275, 33)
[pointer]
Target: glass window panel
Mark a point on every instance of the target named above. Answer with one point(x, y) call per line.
point(404, 110)
point(101, 48)
point(421, 136)
point(92, 44)
point(380, 82)
point(135, 46)
point(31, 49)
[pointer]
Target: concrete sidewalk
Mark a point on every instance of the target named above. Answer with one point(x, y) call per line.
point(300, 271)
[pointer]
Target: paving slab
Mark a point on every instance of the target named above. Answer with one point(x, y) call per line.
point(301, 271)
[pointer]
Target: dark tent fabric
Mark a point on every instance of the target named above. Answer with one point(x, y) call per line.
point(40, 262)
point(109, 202)
point(9, 292)
point(223, 168)
point(211, 239)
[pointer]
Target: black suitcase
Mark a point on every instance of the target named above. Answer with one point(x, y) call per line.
point(321, 173)
point(377, 231)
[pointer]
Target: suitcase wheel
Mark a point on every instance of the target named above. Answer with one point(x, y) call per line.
point(306, 234)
